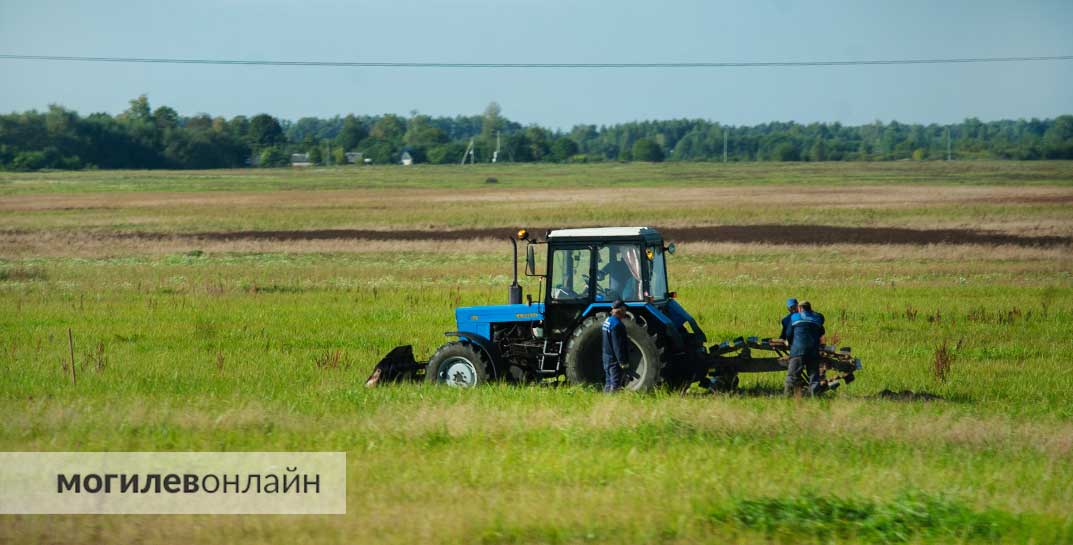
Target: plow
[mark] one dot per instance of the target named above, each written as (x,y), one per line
(557,337)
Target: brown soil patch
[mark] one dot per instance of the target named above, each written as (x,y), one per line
(768,234)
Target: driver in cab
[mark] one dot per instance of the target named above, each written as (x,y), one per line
(617,272)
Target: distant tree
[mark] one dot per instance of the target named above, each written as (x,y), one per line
(818,152)
(274,157)
(239,127)
(422,134)
(265,130)
(165,118)
(200,122)
(537,138)
(304,130)
(351,134)
(1058,139)
(647,150)
(316,156)
(516,148)
(139,110)
(339,156)
(786,151)
(491,121)
(562,149)
(389,128)
(379,151)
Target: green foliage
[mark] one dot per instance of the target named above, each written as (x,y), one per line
(421,134)
(492,122)
(146,138)
(274,157)
(339,156)
(389,129)
(265,131)
(351,134)
(446,153)
(785,151)
(562,149)
(316,156)
(381,152)
(909,516)
(647,150)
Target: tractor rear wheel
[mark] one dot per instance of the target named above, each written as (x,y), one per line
(458,364)
(584,361)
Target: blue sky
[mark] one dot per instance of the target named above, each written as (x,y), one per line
(547,31)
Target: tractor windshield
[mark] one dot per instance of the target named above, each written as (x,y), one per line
(570,273)
(618,272)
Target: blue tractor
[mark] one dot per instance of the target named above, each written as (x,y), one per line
(582,271)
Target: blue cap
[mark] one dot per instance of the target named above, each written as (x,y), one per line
(791,302)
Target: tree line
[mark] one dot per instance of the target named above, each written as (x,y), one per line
(143,137)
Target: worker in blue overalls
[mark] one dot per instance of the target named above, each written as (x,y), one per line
(615,347)
(806,330)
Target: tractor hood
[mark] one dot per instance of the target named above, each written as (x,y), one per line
(479,320)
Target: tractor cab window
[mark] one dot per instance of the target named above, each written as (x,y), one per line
(657,272)
(618,272)
(570,274)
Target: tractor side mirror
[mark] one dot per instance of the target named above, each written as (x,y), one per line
(532,259)
(671,248)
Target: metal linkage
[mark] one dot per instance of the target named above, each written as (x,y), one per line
(728,358)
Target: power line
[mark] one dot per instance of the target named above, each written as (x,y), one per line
(599,65)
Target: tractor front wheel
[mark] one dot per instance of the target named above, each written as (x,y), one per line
(458,364)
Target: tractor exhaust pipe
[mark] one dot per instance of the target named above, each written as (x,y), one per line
(515,291)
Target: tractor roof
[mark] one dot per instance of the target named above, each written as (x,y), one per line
(604,232)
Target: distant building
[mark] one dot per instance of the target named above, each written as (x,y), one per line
(300,160)
(407,159)
(354,157)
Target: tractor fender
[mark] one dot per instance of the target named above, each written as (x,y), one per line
(669,326)
(484,344)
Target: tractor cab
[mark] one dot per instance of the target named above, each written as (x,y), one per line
(594,267)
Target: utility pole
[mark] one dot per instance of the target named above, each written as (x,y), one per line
(724,145)
(496,154)
(948,144)
(468,153)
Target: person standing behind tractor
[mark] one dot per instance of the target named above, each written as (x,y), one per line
(806,330)
(615,346)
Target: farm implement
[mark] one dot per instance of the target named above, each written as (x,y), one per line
(581,272)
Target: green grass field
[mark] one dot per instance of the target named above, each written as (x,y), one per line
(185,342)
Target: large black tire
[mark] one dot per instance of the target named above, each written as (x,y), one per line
(459,364)
(584,363)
